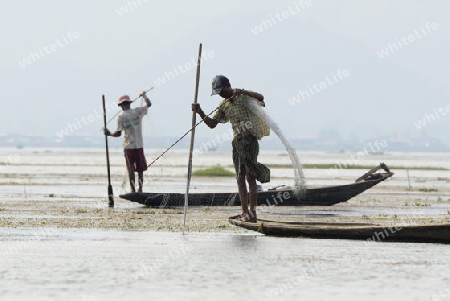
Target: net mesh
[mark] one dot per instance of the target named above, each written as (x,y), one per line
(169,199)
(300,187)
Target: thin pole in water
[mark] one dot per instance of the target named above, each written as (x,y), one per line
(409,183)
(110,190)
(191,146)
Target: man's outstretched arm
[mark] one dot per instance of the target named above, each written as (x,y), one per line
(211,123)
(147,100)
(253,94)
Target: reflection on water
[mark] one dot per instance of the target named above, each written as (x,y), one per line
(110,265)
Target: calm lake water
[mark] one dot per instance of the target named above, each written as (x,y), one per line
(109,265)
(94,265)
(82,172)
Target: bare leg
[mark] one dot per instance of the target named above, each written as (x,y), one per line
(242,188)
(253,195)
(130,169)
(132,181)
(141,180)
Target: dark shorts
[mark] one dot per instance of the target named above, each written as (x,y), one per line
(135,159)
(245,154)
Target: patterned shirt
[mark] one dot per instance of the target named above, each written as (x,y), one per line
(239,114)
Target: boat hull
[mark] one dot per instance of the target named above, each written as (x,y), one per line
(327,196)
(368,232)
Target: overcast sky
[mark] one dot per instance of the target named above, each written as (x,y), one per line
(59,57)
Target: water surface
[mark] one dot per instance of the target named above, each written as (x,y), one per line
(80,264)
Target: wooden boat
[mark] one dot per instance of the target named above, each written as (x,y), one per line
(325,196)
(368,232)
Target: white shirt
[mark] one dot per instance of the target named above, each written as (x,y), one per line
(130,122)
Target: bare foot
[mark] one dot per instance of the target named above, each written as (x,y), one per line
(249,218)
(237,216)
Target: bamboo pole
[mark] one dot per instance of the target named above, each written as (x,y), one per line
(191,146)
(110,190)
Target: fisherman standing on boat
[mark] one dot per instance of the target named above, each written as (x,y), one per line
(130,121)
(248,128)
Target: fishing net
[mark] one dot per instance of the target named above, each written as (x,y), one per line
(299,188)
(171,200)
(163,169)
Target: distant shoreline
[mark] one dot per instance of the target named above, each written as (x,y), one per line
(313,143)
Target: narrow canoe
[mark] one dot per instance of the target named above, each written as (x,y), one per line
(323,196)
(367,232)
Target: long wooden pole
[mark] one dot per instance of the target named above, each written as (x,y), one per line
(110,190)
(191,146)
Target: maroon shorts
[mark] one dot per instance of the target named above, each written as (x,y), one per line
(135,160)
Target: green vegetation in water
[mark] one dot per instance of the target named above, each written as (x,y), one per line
(215,171)
(10,183)
(428,189)
(352,166)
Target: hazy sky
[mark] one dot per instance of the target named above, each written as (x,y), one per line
(59,57)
